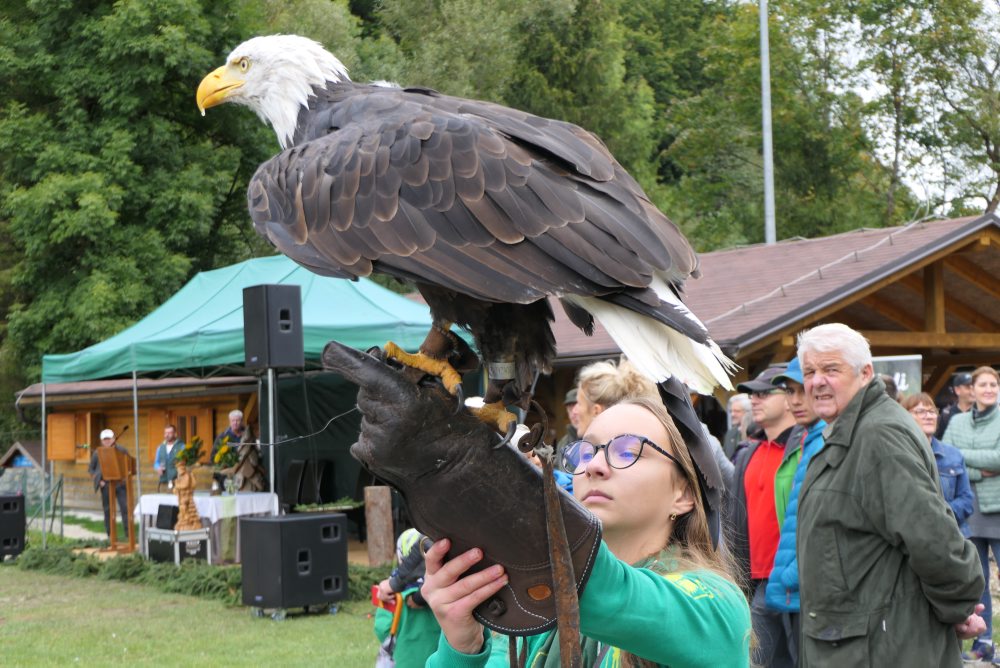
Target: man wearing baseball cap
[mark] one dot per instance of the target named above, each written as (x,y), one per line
(570,434)
(782,590)
(961,387)
(753,527)
(121,493)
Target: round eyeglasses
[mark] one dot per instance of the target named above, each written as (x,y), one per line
(621,452)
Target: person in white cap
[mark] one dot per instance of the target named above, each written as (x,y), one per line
(107,441)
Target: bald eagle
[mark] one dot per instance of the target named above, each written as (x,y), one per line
(488,210)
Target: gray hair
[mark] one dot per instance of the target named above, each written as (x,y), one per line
(742,399)
(836,338)
(236,414)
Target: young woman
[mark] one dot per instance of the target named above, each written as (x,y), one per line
(977,435)
(658,593)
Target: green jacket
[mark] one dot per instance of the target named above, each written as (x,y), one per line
(885,572)
(785,474)
(416,635)
(678,619)
(979,442)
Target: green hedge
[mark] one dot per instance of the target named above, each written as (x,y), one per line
(192,578)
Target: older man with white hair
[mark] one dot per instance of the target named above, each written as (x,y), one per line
(233,435)
(738,408)
(886,577)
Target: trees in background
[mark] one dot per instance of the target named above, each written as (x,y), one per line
(114,191)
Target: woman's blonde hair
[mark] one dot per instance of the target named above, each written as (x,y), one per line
(979,372)
(607,383)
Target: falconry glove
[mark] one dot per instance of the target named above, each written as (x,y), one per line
(459,485)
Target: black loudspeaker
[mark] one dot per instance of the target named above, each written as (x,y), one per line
(166,517)
(294,560)
(272,326)
(11,525)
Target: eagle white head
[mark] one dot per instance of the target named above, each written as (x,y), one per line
(274,75)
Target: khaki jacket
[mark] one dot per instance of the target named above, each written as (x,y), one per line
(885,572)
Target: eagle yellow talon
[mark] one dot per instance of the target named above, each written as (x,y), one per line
(436,367)
(496,416)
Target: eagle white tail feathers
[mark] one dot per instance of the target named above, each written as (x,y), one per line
(659,351)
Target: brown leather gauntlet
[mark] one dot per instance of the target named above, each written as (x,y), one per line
(459,486)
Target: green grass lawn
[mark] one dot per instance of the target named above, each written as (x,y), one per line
(97,526)
(51,619)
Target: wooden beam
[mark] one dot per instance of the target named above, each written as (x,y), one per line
(932,339)
(898,315)
(975,275)
(959,309)
(961,245)
(986,238)
(378,518)
(934,297)
(975,358)
(937,379)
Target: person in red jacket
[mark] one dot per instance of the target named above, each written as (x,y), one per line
(753,530)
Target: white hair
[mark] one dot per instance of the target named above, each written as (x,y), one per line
(236,414)
(836,338)
(741,399)
(281,73)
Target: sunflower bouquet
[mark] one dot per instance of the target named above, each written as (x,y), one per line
(226,456)
(191,452)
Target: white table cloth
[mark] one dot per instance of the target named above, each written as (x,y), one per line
(214,508)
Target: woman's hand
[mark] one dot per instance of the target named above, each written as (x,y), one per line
(452,597)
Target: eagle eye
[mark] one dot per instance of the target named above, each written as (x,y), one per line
(244,64)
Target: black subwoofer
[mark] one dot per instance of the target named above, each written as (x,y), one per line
(294,560)
(11,525)
(272,326)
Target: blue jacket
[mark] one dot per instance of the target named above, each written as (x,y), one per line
(954,482)
(782,591)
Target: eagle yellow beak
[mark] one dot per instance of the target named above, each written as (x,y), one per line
(216,88)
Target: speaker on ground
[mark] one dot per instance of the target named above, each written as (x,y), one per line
(11,525)
(294,561)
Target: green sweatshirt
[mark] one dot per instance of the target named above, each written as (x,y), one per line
(785,475)
(977,436)
(677,619)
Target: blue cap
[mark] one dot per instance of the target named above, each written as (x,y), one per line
(793,372)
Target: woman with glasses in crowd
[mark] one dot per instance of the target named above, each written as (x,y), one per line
(977,435)
(951,465)
(658,594)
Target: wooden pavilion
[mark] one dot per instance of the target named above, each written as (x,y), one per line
(929,288)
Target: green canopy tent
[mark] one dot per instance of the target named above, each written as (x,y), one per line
(199,332)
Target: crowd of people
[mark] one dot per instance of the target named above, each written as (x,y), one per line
(856,525)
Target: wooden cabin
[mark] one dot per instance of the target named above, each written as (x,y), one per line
(77,412)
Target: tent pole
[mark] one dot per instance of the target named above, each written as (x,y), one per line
(45,459)
(135,421)
(270,427)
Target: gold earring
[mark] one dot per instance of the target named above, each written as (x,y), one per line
(673,516)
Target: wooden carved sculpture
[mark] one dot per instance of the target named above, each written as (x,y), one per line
(187,516)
